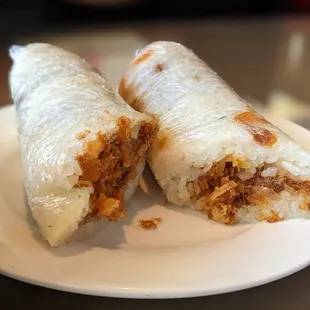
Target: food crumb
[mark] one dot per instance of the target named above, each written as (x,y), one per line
(83,135)
(274,217)
(197,77)
(163,142)
(144,186)
(159,67)
(150,224)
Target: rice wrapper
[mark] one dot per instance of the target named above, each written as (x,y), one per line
(213,152)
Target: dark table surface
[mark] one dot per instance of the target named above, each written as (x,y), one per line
(261,65)
(286,294)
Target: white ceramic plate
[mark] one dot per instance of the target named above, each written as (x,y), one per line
(187,255)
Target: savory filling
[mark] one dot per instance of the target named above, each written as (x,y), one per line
(108,166)
(230,184)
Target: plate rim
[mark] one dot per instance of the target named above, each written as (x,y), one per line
(146,293)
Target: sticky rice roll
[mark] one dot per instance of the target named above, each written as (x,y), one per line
(213,152)
(82,147)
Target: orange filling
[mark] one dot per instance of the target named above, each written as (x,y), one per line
(252,123)
(150,224)
(110,165)
(142,57)
(220,192)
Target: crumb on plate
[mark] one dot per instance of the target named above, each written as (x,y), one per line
(150,224)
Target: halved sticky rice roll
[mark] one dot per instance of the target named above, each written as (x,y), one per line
(83,148)
(213,152)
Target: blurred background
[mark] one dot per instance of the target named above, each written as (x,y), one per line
(261,48)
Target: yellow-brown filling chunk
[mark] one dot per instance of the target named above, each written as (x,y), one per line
(110,165)
(220,192)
